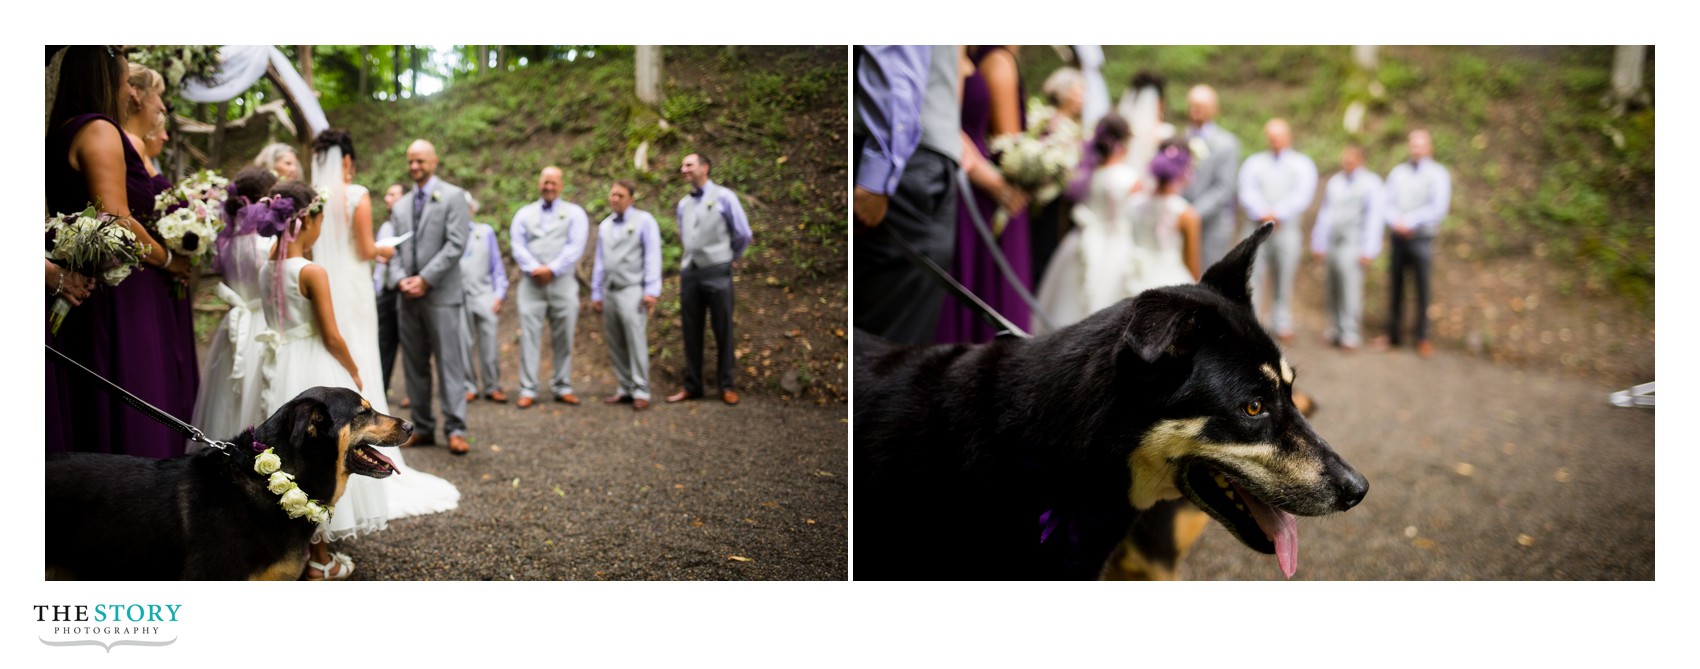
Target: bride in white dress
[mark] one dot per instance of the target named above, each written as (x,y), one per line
(1126,238)
(1085,274)
(345,249)
(1142,107)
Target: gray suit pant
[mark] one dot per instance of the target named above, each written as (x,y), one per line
(894,298)
(706,289)
(1345,294)
(428,331)
(480,338)
(1280,254)
(558,304)
(1215,237)
(625,324)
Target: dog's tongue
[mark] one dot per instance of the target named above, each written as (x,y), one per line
(379,455)
(1281,527)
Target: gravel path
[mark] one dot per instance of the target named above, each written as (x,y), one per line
(1476,472)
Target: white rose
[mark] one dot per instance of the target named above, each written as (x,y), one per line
(116,275)
(267,463)
(295,502)
(317,514)
(280,483)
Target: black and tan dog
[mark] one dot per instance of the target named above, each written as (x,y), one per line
(208,515)
(1036,459)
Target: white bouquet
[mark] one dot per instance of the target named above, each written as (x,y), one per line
(93,244)
(194,213)
(1041,164)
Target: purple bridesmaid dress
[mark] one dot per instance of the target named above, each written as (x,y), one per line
(137,334)
(973,265)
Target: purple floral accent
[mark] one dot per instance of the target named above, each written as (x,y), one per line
(258,447)
(1172,162)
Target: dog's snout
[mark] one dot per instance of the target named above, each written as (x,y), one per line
(1352,488)
(407,427)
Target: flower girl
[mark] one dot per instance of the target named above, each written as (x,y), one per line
(304,349)
(229,398)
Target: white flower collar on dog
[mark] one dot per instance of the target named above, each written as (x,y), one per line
(293,500)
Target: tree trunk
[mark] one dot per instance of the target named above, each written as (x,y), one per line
(413,81)
(395,68)
(216,151)
(649,74)
(364,64)
(304,54)
(1626,73)
(483,58)
(1365,56)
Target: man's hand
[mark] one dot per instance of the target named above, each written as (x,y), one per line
(596,306)
(649,304)
(413,287)
(1399,228)
(869,207)
(496,306)
(1366,261)
(542,276)
(1317,255)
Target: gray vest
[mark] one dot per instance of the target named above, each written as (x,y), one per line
(1347,214)
(1278,181)
(707,240)
(1413,191)
(622,251)
(941,112)
(546,232)
(475,262)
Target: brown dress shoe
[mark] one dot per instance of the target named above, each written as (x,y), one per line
(421,439)
(640,405)
(569,398)
(471,395)
(526,401)
(616,399)
(682,396)
(497,397)
(458,445)
(406,402)
(731,396)
(1425,349)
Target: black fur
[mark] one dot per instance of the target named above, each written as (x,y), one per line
(965,456)
(205,515)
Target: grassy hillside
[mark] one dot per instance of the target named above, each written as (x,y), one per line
(773,121)
(1547,255)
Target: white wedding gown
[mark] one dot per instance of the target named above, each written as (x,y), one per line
(410,492)
(1087,271)
(229,400)
(1159,245)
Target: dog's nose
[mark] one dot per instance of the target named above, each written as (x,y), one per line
(1353,487)
(407,427)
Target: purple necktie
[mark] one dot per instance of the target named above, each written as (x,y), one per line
(696,192)
(548,206)
(418,219)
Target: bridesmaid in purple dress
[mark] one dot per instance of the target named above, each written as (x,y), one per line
(130,333)
(992,105)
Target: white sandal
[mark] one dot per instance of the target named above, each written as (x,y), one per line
(337,560)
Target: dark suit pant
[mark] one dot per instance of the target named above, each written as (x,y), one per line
(1413,255)
(388,338)
(707,289)
(894,298)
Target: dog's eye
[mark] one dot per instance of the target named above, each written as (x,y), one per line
(1254,408)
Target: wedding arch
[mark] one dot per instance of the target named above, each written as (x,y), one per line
(240,66)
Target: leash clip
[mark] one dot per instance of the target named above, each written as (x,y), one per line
(224,447)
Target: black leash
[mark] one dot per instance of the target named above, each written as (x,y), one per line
(991,243)
(950,284)
(188,431)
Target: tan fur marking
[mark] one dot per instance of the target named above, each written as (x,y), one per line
(1128,564)
(287,569)
(1152,462)
(1286,372)
(1269,372)
(342,446)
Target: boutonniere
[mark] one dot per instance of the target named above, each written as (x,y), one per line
(1199,148)
(436,196)
(281,483)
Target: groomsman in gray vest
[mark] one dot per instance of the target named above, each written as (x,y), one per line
(1419,194)
(486,281)
(548,238)
(1277,186)
(426,271)
(713,231)
(1347,237)
(627,276)
(1216,161)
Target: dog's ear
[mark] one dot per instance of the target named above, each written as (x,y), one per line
(1163,323)
(297,420)
(1231,276)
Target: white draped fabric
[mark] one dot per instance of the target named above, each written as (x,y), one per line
(242,65)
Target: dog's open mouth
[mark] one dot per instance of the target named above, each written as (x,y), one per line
(1258,525)
(367,461)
